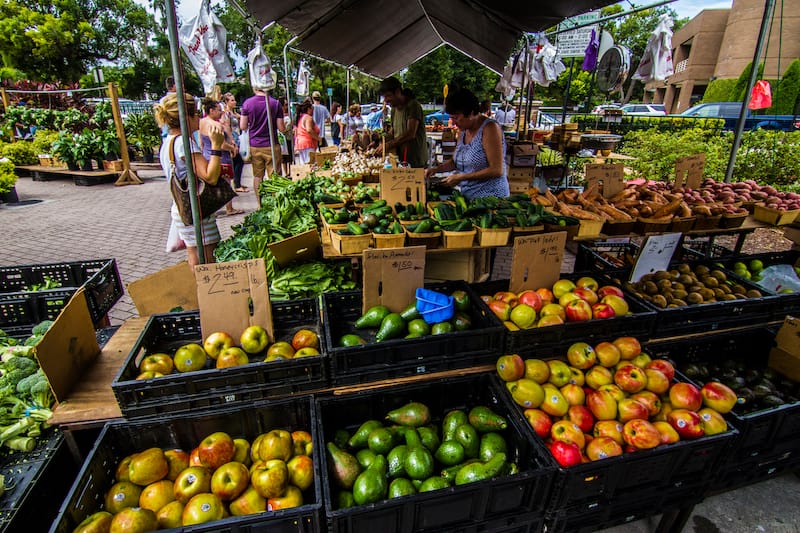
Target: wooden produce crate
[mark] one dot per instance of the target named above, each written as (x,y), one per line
(350,244)
(458,239)
(493,236)
(428,240)
(389,240)
(589,228)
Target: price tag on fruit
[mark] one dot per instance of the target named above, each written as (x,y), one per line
(392,276)
(656,254)
(233,296)
(537,260)
(403,184)
(689,171)
(608,177)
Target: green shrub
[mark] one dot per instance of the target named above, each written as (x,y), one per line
(43,141)
(7,176)
(787,96)
(630,123)
(719,91)
(20,153)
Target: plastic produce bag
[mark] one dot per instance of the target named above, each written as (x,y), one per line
(261,76)
(204,40)
(303,75)
(656,63)
(244,145)
(546,66)
(761,97)
(778,278)
(174,241)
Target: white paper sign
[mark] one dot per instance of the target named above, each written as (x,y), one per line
(656,254)
(573,43)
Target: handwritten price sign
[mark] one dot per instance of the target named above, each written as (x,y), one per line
(392,276)
(609,178)
(537,260)
(404,185)
(689,171)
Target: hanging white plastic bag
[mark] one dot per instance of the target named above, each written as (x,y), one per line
(174,241)
(261,76)
(244,145)
(656,63)
(303,79)
(779,278)
(204,40)
(546,66)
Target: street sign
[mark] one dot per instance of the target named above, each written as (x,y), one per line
(573,43)
(330,91)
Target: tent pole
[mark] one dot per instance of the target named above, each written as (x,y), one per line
(177,72)
(737,137)
(566,93)
(271,134)
(286,74)
(348,90)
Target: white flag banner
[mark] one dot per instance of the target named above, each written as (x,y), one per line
(204,39)
(261,75)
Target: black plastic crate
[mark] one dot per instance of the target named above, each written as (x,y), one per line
(119,439)
(528,523)
(705,249)
(603,256)
(20,310)
(637,324)
(604,514)
(42,475)
(210,387)
(706,317)
(479,345)
(465,507)
(766,437)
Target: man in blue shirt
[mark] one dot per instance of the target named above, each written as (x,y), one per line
(374,119)
(321,115)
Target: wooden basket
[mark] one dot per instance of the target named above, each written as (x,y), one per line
(458,239)
(618,227)
(703,223)
(518,231)
(682,224)
(589,228)
(337,205)
(45,161)
(650,225)
(389,240)
(750,206)
(493,236)
(572,230)
(774,216)
(350,244)
(429,240)
(115,166)
(733,221)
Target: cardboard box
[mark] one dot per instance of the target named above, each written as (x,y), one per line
(523,154)
(391,276)
(785,358)
(404,185)
(792,232)
(469,265)
(319,158)
(299,172)
(302,247)
(167,289)
(520,173)
(519,186)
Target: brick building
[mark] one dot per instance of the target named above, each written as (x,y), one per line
(719,43)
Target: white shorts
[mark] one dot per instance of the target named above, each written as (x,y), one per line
(210,229)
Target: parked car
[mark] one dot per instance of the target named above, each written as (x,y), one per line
(599,109)
(645,110)
(730,111)
(441,116)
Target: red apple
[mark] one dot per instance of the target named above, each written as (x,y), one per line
(567,431)
(582,416)
(194,458)
(565,453)
(562,287)
(650,400)
(581,355)
(718,397)
(641,360)
(602,405)
(539,421)
(668,433)
(567,298)
(305,338)
(712,421)
(657,382)
(617,393)
(217,342)
(663,366)
(587,283)
(608,355)
(578,311)
(216,450)
(604,291)
(609,428)
(178,460)
(508,297)
(532,299)
(510,367)
(628,347)
(619,305)
(687,423)
(641,434)
(546,295)
(630,378)
(553,310)
(501,309)
(629,409)
(587,295)
(573,394)
(192,481)
(601,310)
(597,376)
(602,448)
(231,357)
(685,396)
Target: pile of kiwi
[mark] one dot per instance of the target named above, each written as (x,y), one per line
(684,286)
(755,389)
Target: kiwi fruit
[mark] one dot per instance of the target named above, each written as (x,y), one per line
(739,296)
(707,294)
(711,282)
(694,298)
(674,274)
(678,286)
(664,285)
(677,302)
(680,294)
(647,277)
(701,270)
(725,288)
(659,301)
(662,275)
(719,293)
(683,268)
(752,293)
(686,279)
(738,289)
(720,275)
(650,288)
(728,297)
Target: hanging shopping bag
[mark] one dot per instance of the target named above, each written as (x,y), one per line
(261,76)
(204,40)
(303,79)
(244,145)
(656,63)
(761,97)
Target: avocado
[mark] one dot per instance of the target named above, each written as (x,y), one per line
(373,317)
(395,459)
(484,419)
(380,441)
(480,471)
(491,444)
(450,453)
(467,436)
(410,313)
(418,462)
(391,327)
(451,421)
(434,483)
(359,438)
(370,485)
(401,487)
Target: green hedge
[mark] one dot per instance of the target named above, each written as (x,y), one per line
(769,157)
(630,123)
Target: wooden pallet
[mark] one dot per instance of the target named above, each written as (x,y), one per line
(79,177)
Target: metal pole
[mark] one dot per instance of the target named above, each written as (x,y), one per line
(271,135)
(348,90)
(737,137)
(566,93)
(286,75)
(177,72)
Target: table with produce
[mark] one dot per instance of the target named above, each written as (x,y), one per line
(574,405)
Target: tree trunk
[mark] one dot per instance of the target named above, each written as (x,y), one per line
(627,96)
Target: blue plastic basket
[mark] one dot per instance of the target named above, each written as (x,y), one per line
(434,306)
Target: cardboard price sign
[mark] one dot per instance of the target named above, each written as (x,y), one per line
(404,185)
(233,296)
(537,261)
(165,290)
(609,178)
(689,171)
(392,276)
(656,254)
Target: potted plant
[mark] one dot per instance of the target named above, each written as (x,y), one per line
(108,143)
(8,180)
(85,149)
(64,149)
(143,132)
(43,146)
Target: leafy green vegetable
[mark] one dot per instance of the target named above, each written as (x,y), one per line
(311,279)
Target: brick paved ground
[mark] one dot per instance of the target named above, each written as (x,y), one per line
(131,223)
